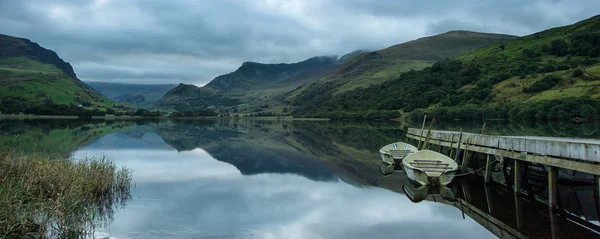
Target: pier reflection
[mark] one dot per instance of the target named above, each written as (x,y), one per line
(509,215)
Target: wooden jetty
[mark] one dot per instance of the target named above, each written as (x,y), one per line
(582,155)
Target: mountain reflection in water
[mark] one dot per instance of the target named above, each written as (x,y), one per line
(283,179)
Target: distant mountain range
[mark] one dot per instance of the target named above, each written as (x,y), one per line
(139,95)
(250,84)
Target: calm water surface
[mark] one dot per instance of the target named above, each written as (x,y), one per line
(286,179)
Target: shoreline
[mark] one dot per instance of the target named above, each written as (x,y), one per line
(2,116)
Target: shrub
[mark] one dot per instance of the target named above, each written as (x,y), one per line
(45,196)
(578,73)
(544,84)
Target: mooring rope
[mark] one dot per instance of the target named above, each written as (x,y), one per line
(463,174)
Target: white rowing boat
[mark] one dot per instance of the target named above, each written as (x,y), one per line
(427,167)
(393,154)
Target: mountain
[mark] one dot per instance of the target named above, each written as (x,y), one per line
(137,100)
(376,67)
(553,74)
(252,75)
(250,85)
(130,93)
(32,76)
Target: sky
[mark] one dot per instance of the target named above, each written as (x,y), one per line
(193,41)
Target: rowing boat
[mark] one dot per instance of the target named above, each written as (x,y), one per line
(392,154)
(427,167)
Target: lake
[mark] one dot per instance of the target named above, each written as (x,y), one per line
(250,178)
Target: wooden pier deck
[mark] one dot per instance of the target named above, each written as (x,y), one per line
(581,155)
(576,154)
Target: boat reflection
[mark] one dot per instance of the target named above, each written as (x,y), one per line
(417,192)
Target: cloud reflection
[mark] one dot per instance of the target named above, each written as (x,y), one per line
(192,195)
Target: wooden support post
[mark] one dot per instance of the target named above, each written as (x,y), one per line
(440,148)
(458,146)
(597,192)
(518,212)
(483,128)
(421,136)
(424,146)
(554,227)
(451,146)
(487,170)
(466,156)
(488,199)
(552,190)
(517,176)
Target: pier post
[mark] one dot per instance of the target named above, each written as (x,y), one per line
(487,170)
(552,190)
(518,212)
(466,155)
(451,145)
(421,136)
(426,143)
(597,192)
(458,146)
(517,176)
(488,199)
(554,227)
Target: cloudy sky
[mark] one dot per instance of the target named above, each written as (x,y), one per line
(193,41)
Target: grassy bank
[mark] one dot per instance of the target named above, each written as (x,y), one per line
(42,196)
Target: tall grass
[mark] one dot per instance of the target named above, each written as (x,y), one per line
(42,196)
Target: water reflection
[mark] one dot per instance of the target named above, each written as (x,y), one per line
(417,192)
(289,179)
(255,180)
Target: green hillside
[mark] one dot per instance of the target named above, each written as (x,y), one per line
(380,66)
(56,137)
(517,74)
(32,76)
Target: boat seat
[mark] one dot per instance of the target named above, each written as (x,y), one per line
(430,161)
(400,153)
(413,163)
(429,170)
(430,167)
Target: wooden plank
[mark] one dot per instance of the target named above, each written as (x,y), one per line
(578,149)
(582,166)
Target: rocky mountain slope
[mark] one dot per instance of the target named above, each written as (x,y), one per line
(250,85)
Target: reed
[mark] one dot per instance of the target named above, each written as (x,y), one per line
(45,196)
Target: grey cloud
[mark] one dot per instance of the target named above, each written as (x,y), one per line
(210,38)
(453,24)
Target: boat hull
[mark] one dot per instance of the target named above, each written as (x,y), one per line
(386,158)
(430,168)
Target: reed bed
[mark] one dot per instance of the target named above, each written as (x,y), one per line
(43,196)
